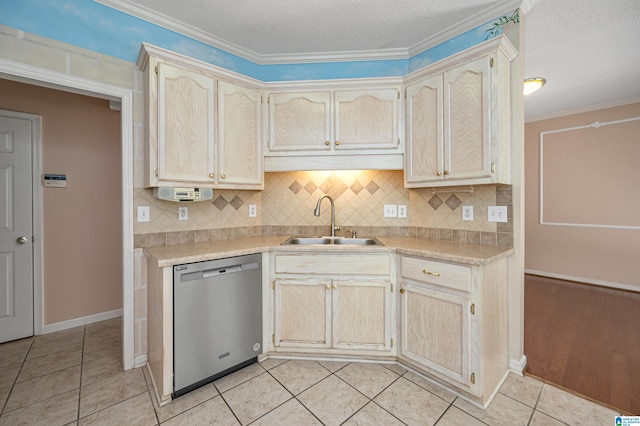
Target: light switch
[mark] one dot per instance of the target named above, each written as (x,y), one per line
(390,210)
(143,213)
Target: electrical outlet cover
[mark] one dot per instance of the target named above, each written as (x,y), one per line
(402,211)
(467,212)
(252,210)
(183,213)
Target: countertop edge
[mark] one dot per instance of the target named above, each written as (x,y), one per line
(211,250)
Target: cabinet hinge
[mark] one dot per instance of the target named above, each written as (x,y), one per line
(491,62)
(155,172)
(391,342)
(273,338)
(261,99)
(473,378)
(273,285)
(391,288)
(269,99)
(156,69)
(473,309)
(493,167)
(398,94)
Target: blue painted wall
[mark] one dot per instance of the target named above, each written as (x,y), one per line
(96,27)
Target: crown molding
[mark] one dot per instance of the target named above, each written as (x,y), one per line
(464,26)
(164,21)
(580,110)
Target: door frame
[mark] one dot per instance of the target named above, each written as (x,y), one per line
(69,83)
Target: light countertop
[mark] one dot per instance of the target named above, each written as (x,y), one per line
(441,250)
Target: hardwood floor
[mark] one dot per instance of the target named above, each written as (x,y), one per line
(584,338)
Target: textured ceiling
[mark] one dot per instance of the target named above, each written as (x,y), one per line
(588,50)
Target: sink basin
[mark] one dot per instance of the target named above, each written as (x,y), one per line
(332,241)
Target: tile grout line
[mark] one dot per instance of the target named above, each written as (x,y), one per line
(84,336)
(15,381)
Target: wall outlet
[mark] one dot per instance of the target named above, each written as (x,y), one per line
(143,214)
(467,212)
(402,211)
(390,210)
(497,214)
(253,211)
(183,213)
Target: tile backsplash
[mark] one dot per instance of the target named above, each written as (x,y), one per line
(286,207)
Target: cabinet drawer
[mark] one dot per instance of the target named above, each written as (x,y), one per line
(343,264)
(457,277)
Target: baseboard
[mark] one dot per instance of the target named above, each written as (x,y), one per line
(518,366)
(601,283)
(77,322)
(140,361)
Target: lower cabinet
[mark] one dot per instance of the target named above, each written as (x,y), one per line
(453,323)
(435,330)
(325,310)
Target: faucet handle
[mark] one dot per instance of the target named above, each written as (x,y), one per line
(354,234)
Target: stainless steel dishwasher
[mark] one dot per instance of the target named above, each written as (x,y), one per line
(217,319)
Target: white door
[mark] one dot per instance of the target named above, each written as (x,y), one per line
(16,254)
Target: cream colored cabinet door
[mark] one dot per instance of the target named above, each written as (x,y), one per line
(424,141)
(299,121)
(185,127)
(435,329)
(366,119)
(239,137)
(302,313)
(361,314)
(467,126)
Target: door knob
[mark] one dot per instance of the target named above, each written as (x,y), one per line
(22,240)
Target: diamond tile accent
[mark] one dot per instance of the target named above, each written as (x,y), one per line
(453,202)
(236,202)
(310,187)
(372,187)
(435,202)
(220,202)
(356,187)
(295,187)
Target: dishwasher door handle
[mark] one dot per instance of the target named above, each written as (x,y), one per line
(221,271)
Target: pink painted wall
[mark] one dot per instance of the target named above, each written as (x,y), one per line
(591,176)
(82,230)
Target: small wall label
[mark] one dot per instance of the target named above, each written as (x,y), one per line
(55,181)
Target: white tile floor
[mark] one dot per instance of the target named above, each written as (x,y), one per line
(74,377)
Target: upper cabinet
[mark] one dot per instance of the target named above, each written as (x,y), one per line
(203,124)
(334,127)
(458,120)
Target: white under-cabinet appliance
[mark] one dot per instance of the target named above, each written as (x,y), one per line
(217,325)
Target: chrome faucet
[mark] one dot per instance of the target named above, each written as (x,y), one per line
(316,212)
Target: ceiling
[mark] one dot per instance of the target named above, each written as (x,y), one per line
(588,50)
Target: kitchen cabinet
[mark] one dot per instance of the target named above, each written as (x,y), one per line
(458,120)
(203,124)
(334,126)
(321,306)
(453,322)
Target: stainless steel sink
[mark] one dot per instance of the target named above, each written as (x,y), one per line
(332,241)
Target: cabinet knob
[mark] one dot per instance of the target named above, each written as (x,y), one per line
(328,287)
(446,172)
(438,173)
(222,176)
(402,290)
(327,143)
(212,175)
(335,286)
(337,142)
(426,272)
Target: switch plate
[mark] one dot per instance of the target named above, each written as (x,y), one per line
(183,213)
(467,212)
(390,210)
(143,214)
(253,212)
(497,214)
(402,210)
